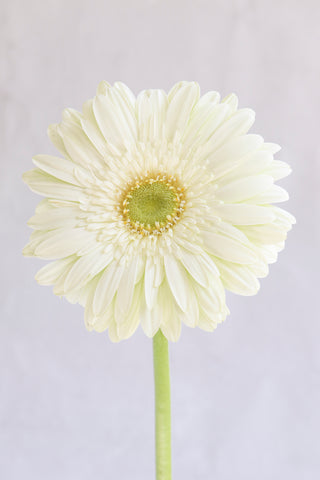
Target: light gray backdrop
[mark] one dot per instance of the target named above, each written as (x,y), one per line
(246,398)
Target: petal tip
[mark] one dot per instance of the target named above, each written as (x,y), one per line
(103,87)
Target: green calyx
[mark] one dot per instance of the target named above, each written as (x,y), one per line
(151,203)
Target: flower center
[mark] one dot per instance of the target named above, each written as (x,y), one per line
(152,204)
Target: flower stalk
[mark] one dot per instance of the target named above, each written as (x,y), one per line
(162,407)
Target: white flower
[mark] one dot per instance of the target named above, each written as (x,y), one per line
(159,203)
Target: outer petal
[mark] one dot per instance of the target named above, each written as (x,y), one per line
(228,157)
(191,316)
(194,267)
(228,249)
(107,287)
(203,124)
(63,242)
(44,184)
(244,214)
(115,118)
(52,217)
(177,280)
(150,319)
(87,267)
(238,124)
(182,98)
(61,169)
(125,291)
(238,278)
(50,273)
(245,188)
(150,286)
(169,311)
(80,149)
(151,111)
(92,130)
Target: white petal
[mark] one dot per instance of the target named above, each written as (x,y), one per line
(49,274)
(278,169)
(71,115)
(159,274)
(126,327)
(114,119)
(125,291)
(227,157)
(87,267)
(35,239)
(177,280)
(252,164)
(63,242)
(182,98)
(55,137)
(52,218)
(268,252)
(272,147)
(150,288)
(140,268)
(77,295)
(122,96)
(209,98)
(260,269)
(44,184)
(127,95)
(265,234)
(283,217)
(101,323)
(242,214)
(202,112)
(238,124)
(212,301)
(107,287)
(275,194)
(170,319)
(238,279)
(113,332)
(103,87)
(78,145)
(209,266)
(233,232)
(58,288)
(151,110)
(187,245)
(202,126)
(232,101)
(244,188)
(89,316)
(150,320)
(193,265)
(58,167)
(207,323)
(228,249)
(92,130)
(191,316)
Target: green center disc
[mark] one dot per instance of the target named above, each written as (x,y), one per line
(151,203)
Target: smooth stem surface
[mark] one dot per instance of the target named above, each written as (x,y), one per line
(162,406)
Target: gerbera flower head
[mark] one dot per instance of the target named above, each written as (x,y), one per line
(158,204)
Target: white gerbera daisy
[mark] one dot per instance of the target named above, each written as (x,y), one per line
(159,203)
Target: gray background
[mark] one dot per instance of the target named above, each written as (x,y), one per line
(246,398)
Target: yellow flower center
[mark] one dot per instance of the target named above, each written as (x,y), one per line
(152,204)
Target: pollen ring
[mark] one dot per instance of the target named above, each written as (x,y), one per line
(152,204)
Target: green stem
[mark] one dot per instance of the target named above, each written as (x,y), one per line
(162,406)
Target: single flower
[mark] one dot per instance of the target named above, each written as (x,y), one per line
(158,205)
